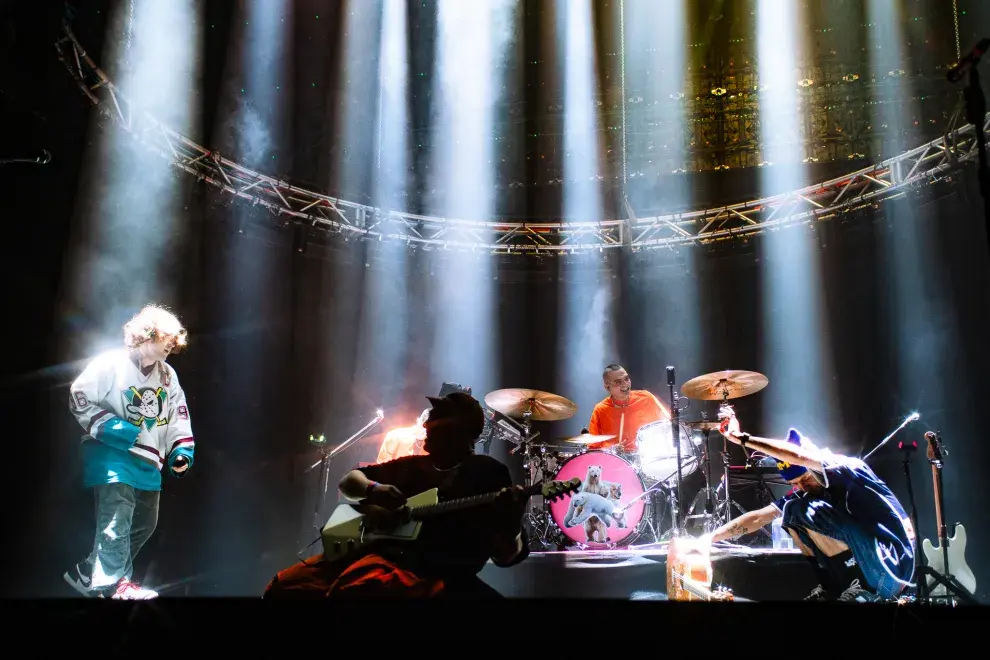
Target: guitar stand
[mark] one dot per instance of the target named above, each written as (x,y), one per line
(922,571)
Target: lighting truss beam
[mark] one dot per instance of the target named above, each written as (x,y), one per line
(823,201)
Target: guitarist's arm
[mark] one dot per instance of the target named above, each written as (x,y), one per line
(509,543)
(746,523)
(779,449)
(355,484)
(358,485)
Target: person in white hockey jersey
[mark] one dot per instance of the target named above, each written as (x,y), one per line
(136,421)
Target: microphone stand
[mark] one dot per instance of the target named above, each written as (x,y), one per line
(913,417)
(324,464)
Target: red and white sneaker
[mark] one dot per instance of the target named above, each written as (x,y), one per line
(128,590)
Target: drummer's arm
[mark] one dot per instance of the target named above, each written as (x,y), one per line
(779,449)
(594,425)
(747,523)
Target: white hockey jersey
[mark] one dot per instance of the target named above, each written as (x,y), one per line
(134,424)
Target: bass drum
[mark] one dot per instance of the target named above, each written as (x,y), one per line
(608,508)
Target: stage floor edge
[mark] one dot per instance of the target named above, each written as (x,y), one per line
(640,573)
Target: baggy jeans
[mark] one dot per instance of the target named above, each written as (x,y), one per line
(126,517)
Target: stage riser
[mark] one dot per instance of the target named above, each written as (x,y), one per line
(631,576)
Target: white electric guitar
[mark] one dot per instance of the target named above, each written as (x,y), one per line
(353,527)
(954,546)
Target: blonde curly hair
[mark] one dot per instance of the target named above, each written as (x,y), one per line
(154,323)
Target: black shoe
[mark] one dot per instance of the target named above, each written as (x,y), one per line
(80,579)
(855,593)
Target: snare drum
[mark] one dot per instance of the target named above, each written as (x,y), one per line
(658,455)
(600,512)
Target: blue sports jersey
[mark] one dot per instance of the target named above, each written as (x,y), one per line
(852,487)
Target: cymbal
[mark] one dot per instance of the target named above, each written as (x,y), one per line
(545,407)
(589,439)
(703,425)
(724,384)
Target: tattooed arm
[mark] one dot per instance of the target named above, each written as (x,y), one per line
(746,524)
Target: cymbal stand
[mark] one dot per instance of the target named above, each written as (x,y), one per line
(727,503)
(534,461)
(678,524)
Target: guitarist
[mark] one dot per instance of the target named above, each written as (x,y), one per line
(841,515)
(444,561)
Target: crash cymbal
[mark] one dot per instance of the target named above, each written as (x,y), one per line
(724,385)
(588,439)
(545,407)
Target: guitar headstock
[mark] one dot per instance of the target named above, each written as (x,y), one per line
(556,489)
(936,452)
(723,594)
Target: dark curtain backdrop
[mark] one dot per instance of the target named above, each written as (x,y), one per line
(264,374)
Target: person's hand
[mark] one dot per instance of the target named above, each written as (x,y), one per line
(386,496)
(510,503)
(180,465)
(730,424)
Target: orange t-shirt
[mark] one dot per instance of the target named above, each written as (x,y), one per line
(641,409)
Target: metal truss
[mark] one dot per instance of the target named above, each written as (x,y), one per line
(869,186)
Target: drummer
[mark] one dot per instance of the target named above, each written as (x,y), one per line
(624,411)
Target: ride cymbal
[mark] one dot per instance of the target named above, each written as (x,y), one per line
(724,385)
(543,406)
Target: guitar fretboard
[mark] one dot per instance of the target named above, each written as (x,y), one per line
(423,512)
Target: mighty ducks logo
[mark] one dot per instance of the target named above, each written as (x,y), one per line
(146,406)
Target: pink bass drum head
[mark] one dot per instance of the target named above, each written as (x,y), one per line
(596,514)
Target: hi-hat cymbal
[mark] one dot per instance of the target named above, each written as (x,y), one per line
(724,385)
(588,439)
(704,425)
(545,407)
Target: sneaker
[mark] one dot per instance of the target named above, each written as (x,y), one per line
(855,593)
(127,590)
(79,578)
(818,593)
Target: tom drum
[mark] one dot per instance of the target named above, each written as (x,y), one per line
(658,455)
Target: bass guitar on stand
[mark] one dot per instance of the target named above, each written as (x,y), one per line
(946,561)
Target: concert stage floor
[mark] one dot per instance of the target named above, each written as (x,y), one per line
(640,573)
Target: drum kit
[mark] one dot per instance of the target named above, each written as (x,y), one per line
(622,493)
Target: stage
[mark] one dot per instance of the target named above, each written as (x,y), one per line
(640,573)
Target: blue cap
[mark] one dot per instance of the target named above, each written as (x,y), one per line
(786,470)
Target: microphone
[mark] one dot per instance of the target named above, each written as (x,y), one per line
(913,417)
(972,58)
(670,376)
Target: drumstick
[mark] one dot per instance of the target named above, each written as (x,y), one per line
(622,422)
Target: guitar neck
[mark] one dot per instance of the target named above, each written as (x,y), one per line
(937,489)
(688,585)
(450,506)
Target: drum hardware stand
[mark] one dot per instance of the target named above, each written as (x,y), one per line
(534,460)
(922,571)
(676,435)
